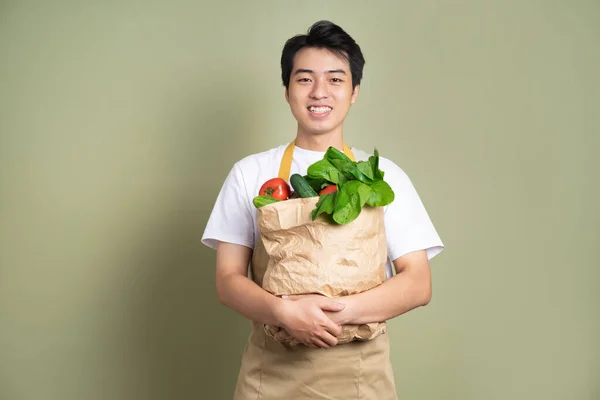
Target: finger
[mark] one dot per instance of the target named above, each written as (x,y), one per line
(333,328)
(334,316)
(328,338)
(331,305)
(319,343)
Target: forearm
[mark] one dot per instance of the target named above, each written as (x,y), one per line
(247,298)
(405,291)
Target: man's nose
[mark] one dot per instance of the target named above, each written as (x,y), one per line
(319,90)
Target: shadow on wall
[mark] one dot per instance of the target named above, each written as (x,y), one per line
(188,344)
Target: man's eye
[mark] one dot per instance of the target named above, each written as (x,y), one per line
(337,80)
(303,80)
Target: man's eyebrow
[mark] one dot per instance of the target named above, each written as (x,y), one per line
(310,71)
(303,71)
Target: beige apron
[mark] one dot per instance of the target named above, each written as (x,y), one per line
(271,370)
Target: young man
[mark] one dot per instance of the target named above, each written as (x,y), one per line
(321,72)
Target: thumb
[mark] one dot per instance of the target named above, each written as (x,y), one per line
(331,305)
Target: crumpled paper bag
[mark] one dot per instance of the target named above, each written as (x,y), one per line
(322,257)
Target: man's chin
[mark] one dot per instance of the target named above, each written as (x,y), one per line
(318,131)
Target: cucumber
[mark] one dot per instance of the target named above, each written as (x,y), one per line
(260,201)
(301,186)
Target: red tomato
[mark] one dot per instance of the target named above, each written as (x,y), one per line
(276,188)
(328,189)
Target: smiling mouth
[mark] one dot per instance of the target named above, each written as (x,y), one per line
(319,110)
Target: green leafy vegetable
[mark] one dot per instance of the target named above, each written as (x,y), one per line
(317,183)
(381,194)
(334,154)
(325,204)
(360,184)
(366,169)
(347,207)
(345,165)
(374,161)
(361,189)
(323,169)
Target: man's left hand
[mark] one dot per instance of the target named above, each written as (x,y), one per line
(339,317)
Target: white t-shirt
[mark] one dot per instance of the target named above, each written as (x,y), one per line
(233,218)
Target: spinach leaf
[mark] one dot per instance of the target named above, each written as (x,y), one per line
(344,167)
(323,169)
(360,183)
(374,161)
(343,163)
(347,207)
(350,169)
(366,168)
(381,194)
(334,154)
(317,184)
(325,204)
(363,190)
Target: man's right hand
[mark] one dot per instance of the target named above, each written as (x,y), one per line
(305,320)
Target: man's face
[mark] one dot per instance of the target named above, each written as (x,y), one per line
(320,91)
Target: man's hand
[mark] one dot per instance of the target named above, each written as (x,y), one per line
(408,289)
(306,320)
(340,317)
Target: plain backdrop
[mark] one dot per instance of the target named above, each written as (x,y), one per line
(119,121)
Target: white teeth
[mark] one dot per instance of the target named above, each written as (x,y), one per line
(319,110)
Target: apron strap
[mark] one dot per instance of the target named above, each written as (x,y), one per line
(288,155)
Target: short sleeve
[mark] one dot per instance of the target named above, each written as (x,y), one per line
(408,225)
(231,218)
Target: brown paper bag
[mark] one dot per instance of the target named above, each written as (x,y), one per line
(306,256)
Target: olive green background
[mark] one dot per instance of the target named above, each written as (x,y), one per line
(120,120)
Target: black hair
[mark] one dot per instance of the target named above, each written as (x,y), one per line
(324,35)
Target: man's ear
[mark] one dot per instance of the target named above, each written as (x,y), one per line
(287,95)
(355,94)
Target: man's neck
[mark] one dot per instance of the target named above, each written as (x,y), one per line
(320,142)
